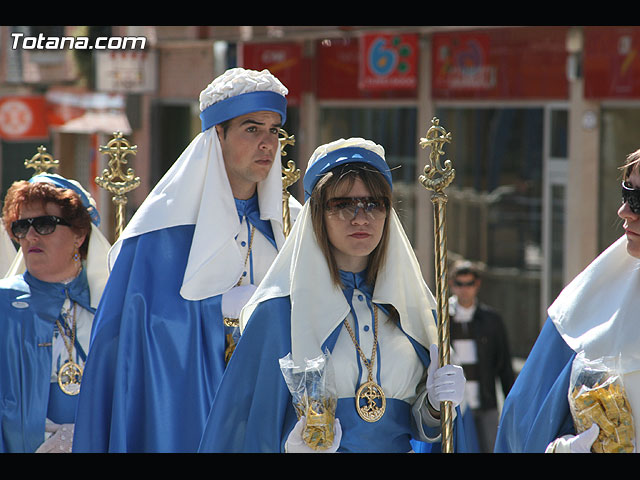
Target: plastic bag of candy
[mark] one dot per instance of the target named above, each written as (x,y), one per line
(313,393)
(597,394)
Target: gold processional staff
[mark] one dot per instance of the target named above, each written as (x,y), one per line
(290,175)
(114,179)
(436,178)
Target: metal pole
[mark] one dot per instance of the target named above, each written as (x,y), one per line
(436,178)
(291,174)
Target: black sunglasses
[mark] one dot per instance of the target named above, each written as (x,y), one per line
(632,197)
(43,225)
(458,283)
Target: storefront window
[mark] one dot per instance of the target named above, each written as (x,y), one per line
(619,127)
(494,213)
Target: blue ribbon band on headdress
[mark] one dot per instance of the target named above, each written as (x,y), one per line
(242,104)
(339,157)
(62,182)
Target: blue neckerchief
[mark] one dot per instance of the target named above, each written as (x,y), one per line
(56,293)
(251,209)
(350,282)
(77,289)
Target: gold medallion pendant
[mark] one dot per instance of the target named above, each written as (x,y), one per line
(370,401)
(70,377)
(70,373)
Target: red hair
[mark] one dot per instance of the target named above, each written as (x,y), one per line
(25,193)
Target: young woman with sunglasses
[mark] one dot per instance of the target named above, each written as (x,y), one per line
(346,282)
(46,310)
(595,317)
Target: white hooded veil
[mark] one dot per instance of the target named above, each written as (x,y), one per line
(598,310)
(317,305)
(196,190)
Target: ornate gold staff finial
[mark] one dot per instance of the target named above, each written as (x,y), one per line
(436,178)
(42,161)
(285,140)
(435,138)
(114,179)
(291,175)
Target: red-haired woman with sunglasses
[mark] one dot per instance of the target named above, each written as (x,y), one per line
(593,322)
(46,310)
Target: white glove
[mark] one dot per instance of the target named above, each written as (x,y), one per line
(445,383)
(61,441)
(235,299)
(580,443)
(296,444)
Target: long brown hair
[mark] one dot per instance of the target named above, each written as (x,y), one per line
(345,175)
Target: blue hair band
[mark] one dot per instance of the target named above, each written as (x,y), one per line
(242,104)
(339,157)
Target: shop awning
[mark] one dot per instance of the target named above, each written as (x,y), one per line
(107,122)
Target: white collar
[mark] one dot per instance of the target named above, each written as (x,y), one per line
(598,311)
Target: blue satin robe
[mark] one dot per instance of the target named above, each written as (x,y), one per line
(156,359)
(536,410)
(253,411)
(29,309)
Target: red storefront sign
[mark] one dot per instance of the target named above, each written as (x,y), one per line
(284,60)
(506,63)
(388,62)
(611,62)
(337,73)
(23,118)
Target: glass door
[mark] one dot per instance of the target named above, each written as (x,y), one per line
(553,203)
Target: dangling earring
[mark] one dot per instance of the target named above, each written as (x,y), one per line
(76,255)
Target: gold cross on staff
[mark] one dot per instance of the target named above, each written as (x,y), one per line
(285,140)
(42,161)
(290,175)
(114,179)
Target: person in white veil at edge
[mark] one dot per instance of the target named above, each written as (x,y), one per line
(346,282)
(7,252)
(586,354)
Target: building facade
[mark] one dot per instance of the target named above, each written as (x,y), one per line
(540,118)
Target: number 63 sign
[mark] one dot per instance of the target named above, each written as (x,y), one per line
(388,62)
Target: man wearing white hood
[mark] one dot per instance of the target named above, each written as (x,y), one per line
(182,269)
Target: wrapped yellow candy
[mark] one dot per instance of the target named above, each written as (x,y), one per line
(318,433)
(312,389)
(603,401)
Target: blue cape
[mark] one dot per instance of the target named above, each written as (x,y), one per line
(536,411)
(155,358)
(30,308)
(253,411)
